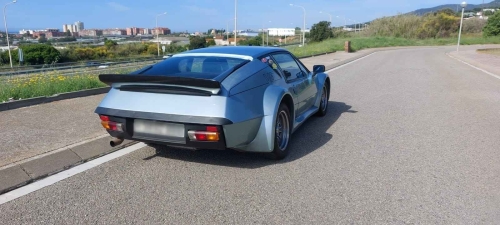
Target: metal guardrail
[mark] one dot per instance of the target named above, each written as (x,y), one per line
(81,72)
(69,66)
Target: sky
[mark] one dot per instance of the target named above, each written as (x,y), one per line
(201,15)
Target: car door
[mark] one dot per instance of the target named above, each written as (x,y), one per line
(295,78)
(311,87)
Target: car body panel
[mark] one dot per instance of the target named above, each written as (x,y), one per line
(244,106)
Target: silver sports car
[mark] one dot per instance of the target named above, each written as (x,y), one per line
(245,98)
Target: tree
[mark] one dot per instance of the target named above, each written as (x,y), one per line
(492,27)
(211,42)
(37,54)
(320,31)
(42,39)
(255,41)
(488,13)
(110,44)
(197,42)
(27,34)
(68,33)
(447,11)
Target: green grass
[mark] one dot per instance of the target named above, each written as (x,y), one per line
(359,43)
(49,84)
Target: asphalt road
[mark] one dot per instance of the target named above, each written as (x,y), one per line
(412,136)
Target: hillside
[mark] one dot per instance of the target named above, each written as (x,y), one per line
(493,4)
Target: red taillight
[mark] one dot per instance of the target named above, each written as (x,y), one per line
(212,128)
(211,134)
(110,125)
(200,136)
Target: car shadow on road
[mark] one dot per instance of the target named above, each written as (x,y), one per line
(310,136)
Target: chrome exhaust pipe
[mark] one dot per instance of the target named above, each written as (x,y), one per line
(115,142)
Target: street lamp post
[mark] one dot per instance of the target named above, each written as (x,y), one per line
(7,30)
(304,30)
(227,31)
(157,32)
(464,4)
(328,15)
(345,22)
(264,34)
(235,21)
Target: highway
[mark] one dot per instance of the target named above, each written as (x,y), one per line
(412,136)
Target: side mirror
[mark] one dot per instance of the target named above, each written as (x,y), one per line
(318,69)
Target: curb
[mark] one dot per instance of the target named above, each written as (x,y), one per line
(56,97)
(19,175)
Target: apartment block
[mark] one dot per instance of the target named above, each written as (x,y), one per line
(161,30)
(91,33)
(113,32)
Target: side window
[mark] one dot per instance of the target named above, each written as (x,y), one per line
(302,67)
(271,63)
(289,66)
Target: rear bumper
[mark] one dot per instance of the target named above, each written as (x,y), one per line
(163,116)
(127,119)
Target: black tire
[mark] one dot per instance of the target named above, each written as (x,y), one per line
(323,106)
(282,141)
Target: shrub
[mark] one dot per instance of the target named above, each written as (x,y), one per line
(320,31)
(473,25)
(492,27)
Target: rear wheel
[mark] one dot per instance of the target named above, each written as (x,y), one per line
(323,106)
(282,133)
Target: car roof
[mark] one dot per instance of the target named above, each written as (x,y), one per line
(252,51)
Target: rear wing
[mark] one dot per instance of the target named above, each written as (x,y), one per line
(153,79)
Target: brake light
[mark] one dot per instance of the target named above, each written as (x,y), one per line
(110,125)
(211,134)
(212,128)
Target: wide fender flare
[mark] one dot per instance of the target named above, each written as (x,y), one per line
(320,82)
(264,140)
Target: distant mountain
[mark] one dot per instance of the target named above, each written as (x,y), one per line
(455,7)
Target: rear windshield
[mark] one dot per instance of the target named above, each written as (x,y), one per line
(206,67)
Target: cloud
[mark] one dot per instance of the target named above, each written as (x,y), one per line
(204,11)
(118,6)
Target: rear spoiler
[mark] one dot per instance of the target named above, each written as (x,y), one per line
(159,79)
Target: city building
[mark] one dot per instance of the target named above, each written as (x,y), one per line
(114,32)
(53,34)
(171,40)
(79,26)
(132,31)
(281,31)
(76,27)
(90,33)
(161,30)
(249,34)
(146,31)
(23,31)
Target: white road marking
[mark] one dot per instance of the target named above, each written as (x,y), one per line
(9,196)
(338,67)
(475,67)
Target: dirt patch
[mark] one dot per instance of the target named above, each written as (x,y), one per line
(491,51)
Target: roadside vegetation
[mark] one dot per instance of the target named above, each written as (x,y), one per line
(36,54)
(51,83)
(433,29)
